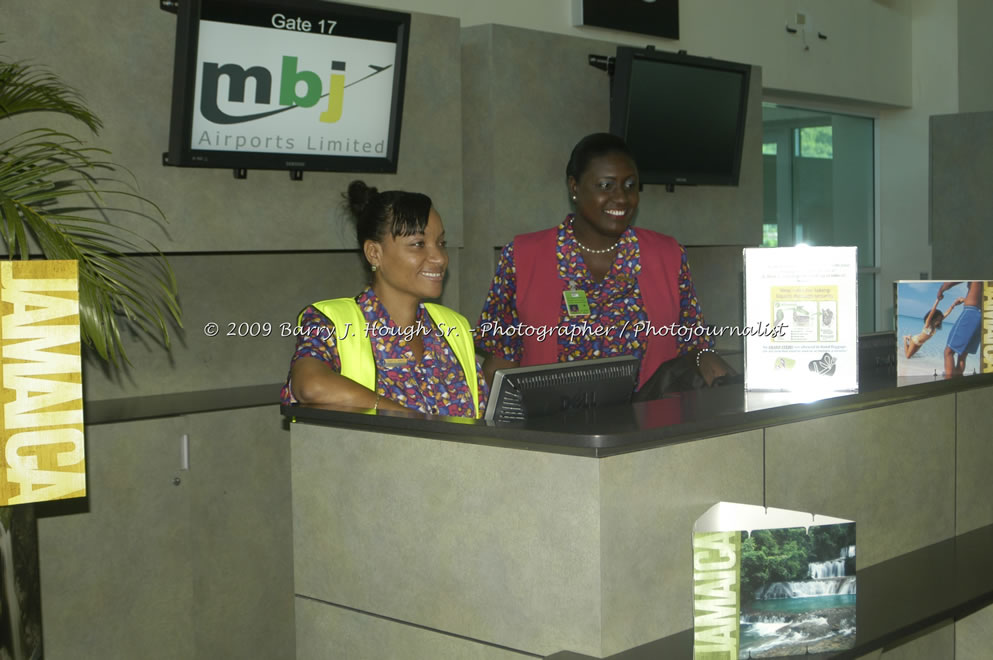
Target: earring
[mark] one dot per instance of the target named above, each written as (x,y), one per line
(574,198)
(373,268)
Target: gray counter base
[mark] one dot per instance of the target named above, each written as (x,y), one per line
(542,552)
(328,632)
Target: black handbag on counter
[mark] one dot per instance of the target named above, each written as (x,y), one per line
(680,374)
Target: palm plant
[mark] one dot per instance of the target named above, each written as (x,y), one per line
(54,195)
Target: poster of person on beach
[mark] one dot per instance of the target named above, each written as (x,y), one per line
(943,328)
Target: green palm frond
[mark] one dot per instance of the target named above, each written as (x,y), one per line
(60,196)
(30,88)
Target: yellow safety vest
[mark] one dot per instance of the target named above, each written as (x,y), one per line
(355,348)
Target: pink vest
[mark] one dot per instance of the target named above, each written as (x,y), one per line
(539,293)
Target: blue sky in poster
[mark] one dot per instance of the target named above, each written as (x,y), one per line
(914,299)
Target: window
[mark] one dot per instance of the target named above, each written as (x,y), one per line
(818,174)
(814,142)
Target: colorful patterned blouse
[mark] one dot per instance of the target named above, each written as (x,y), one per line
(436,385)
(615,303)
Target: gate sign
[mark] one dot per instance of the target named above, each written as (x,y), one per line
(41,385)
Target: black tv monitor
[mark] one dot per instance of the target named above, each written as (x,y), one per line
(521,393)
(287,85)
(682,116)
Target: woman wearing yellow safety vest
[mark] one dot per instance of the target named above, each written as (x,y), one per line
(384,349)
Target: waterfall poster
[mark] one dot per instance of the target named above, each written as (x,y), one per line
(771,583)
(943,329)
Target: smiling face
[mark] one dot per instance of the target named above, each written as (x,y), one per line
(606,197)
(409,268)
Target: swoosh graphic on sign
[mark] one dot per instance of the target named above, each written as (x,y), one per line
(220,117)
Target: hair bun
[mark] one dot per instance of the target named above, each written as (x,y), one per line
(358,197)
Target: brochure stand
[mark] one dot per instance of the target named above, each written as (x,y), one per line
(802,304)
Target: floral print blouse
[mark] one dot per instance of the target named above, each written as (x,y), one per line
(615,303)
(436,385)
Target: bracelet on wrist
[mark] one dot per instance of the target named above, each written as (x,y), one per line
(701,352)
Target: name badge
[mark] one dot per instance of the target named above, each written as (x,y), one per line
(576,303)
(396,362)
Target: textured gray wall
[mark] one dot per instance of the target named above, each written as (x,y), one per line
(119,55)
(650,501)
(148,568)
(143,568)
(117,577)
(975,53)
(528,97)
(234,288)
(431,532)
(961,200)
(518,100)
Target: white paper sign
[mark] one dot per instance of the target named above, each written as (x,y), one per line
(808,296)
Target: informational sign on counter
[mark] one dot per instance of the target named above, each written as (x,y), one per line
(807,298)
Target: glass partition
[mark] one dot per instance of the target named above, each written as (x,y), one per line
(818,173)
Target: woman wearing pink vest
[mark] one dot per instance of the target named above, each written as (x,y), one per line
(594,286)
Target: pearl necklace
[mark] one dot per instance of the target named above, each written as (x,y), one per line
(572,226)
(592,251)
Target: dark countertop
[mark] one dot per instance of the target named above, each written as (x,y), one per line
(602,432)
(596,433)
(130,409)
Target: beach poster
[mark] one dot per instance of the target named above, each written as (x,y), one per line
(944,328)
(772,583)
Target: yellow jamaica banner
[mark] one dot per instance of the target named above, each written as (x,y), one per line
(41,385)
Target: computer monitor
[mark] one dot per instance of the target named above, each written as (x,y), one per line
(525,392)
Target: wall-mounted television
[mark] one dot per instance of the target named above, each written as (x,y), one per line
(293,85)
(682,116)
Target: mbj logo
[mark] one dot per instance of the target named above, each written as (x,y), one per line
(289,82)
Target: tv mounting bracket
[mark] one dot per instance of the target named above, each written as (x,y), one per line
(602,62)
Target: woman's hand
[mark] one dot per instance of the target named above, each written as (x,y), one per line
(313,382)
(712,366)
(492,363)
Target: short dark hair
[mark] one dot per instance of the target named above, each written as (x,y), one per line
(936,318)
(377,214)
(593,146)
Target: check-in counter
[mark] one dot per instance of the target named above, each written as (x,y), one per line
(419,537)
